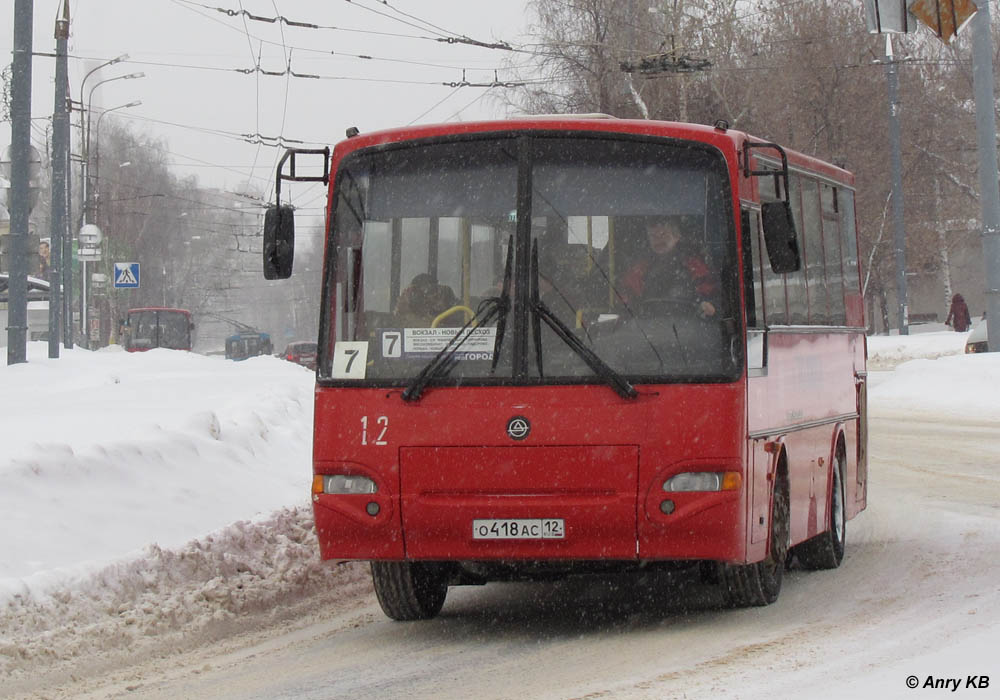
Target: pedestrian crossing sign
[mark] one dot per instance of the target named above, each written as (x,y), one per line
(127,275)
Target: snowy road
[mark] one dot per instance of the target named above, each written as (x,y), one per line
(918,594)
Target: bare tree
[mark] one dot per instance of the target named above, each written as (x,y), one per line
(199,248)
(805,74)
(575,64)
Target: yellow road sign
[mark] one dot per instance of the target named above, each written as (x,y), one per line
(944,17)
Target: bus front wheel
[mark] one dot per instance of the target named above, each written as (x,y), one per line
(409,590)
(755,584)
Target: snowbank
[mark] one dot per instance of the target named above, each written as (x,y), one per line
(111,451)
(887,351)
(243,576)
(958,386)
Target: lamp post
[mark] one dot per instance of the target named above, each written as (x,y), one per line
(86,143)
(94,195)
(97,161)
(896,170)
(87,194)
(97,150)
(83,128)
(67,244)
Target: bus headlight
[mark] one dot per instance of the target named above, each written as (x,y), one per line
(703,481)
(342,484)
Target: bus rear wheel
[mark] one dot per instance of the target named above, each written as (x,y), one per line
(758,584)
(826,550)
(410,590)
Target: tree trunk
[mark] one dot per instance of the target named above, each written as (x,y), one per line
(942,245)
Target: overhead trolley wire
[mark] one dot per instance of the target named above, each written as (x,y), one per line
(260,48)
(452,38)
(278,18)
(284,108)
(288,71)
(252,138)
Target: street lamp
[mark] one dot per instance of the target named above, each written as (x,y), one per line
(86,144)
(87,195)
(97,147)
(97,183)
(110,62)
(83,129)
(84,172)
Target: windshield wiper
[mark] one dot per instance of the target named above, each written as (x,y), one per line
(503,304)
(498,308)
(489,309)
(442,363)
(601,368)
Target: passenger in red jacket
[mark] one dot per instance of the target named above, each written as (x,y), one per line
(669,272)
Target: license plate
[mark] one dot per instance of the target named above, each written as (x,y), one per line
(519,529)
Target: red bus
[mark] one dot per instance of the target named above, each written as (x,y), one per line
(495,401)
(157,327)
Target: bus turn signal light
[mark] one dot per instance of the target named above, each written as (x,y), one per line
(703,481)
(342,484)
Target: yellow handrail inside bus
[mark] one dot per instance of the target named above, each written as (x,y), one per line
(469,313)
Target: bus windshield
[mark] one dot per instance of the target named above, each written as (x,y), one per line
(159,328)
(245,345)
(619,257)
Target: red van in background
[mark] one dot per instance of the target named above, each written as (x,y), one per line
(301,352)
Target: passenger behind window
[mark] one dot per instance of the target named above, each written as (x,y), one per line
(423,300)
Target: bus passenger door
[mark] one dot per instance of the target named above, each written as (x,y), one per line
(753,292)
(861,487)
(758,420)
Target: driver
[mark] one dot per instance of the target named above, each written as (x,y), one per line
(668,270)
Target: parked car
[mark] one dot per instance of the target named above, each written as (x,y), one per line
(977,340)
(302,352)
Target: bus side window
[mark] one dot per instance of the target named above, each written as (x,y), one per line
(815,259)
(795,282)
(833,253)
(775,296)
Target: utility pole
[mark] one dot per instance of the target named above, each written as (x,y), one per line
(20,147)
(945,18)
(986,133)
(896,169)
(60,173)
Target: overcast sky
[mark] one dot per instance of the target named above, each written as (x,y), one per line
(382,66)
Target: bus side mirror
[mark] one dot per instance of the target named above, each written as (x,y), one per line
(779,237)
(279,242)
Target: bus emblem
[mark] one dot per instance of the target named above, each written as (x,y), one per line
(518,427)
